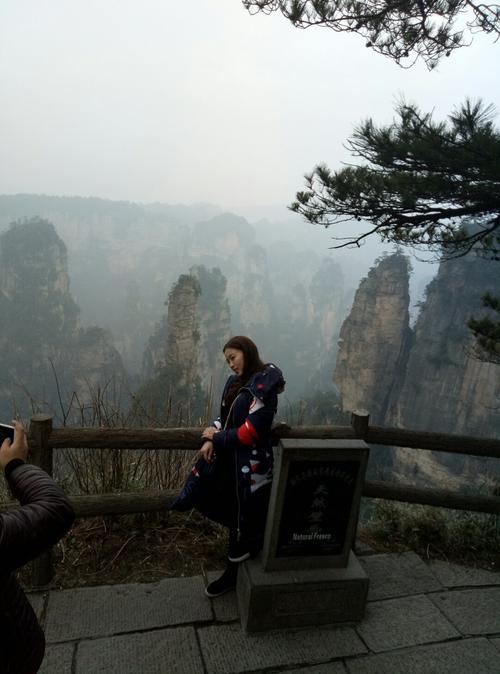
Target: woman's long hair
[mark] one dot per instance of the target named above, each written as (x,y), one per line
(251,363)
(251,359)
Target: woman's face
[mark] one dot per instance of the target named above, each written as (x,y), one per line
(236,360)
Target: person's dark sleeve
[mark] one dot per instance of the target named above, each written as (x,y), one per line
(44,517)
(256,426)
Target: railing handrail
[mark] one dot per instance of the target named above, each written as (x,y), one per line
(189,438)
(43,439)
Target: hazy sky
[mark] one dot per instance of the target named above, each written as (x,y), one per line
(195,100)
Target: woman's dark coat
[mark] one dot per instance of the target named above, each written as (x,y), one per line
(44,517)
(244,456)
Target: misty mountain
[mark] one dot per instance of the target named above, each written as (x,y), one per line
(123,260)
(150,293)
(49,361)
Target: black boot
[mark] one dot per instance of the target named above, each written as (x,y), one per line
(244,548)
(240,551)
(225,583)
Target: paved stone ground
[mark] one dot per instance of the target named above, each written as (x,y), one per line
(421,619)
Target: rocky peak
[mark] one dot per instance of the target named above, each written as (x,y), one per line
(374,338)
(34,279)
(214,318)
(48,360)
(445,389)
(185,349)
(181,348)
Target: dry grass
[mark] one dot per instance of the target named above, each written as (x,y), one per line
(136,549)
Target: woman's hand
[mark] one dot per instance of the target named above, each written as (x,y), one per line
(17,449)
(207,451)
(209,433)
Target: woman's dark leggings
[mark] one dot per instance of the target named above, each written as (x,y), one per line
(253,520)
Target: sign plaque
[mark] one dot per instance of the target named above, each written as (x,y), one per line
(316,507)
(314,503)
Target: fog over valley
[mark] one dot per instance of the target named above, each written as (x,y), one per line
(151,156)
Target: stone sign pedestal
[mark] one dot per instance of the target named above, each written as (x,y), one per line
(285,599)
(307,573)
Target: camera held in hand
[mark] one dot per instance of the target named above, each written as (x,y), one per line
(6,431)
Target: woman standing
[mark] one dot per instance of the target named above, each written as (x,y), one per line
(232,482)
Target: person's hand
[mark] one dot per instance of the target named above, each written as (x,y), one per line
(208,433)
(207,451)
(17,449)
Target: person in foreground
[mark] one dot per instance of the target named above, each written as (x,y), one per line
(44,517)
(231,482)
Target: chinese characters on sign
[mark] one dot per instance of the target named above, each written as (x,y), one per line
(316,507)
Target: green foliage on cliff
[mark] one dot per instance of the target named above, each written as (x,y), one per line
(213,285)
(487,332)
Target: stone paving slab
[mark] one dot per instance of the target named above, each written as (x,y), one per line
(401,575)
(455,575)
(103,611)
(407,621)
(328,668)
(225,607)
(37,601)
(401,629)
(471,611)
(170,651)
(58,659)
(228,650)
(362,548)
(469,656)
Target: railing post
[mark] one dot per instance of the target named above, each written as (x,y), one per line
(41,452)
(359,422)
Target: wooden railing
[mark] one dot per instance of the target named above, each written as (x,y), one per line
(44,439)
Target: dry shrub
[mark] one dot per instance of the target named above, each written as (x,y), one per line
(461,536)
(99,471)
(128,548)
